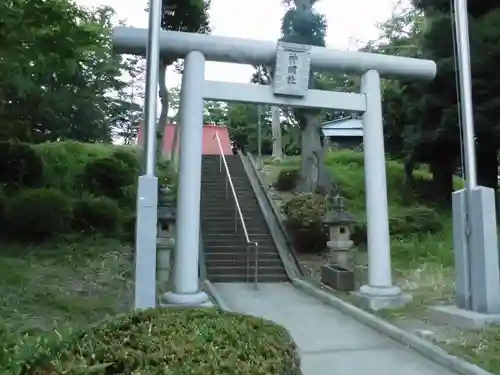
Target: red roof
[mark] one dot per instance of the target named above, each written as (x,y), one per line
(210,146)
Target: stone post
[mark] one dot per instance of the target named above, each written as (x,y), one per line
(166,239)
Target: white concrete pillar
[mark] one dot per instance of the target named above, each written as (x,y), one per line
(185,271)
(379,253)
(276,130)
(145,242)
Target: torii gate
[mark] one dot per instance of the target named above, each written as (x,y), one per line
(289,90)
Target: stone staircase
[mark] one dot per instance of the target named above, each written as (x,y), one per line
(226,248)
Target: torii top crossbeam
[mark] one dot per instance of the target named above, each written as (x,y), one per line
(128,40)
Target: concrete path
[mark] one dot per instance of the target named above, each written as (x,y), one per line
(330,343)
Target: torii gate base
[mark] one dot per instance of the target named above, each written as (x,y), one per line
(380,292)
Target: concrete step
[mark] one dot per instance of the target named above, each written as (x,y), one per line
(224,215)
(229,229)
(242,270)
(217,163)
(210,211)
(218,197)
(234,220)
(214,179)
(230,226)
(227,248)
(213,213)
(215,255)
(257,225)
(223,205)
(276,278)
(219,239)
(214,186)
(214,175)
(242,263)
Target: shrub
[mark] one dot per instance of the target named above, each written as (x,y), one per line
(64,161)
(359,235)
(287,179)
(107,177)
(174,341)
(3,202)
(305,213)
(129,157)
(38,214)
(20,165)
(128,200)
(98,214)
(416,220)
(410,221)
(128,227)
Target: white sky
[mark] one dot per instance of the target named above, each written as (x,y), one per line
(349,22)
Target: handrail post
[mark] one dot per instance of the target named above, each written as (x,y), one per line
(248,263)
(256,270)
(226,183)
(235,219)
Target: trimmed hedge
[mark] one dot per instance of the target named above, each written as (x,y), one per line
(97,214)
(37,214)
(107,177)
(20,166)
(167,342)
(64,162)
(287,179)
(305,213)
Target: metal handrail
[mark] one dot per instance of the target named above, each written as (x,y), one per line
(229,181)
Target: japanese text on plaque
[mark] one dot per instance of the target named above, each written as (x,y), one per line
(293,59)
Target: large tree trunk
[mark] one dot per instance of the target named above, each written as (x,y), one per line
(277,138)
(175,147)
(162,121)
(409,166)
(442,180)
(487,163)
(315,177)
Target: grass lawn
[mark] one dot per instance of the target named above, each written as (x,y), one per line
(422,263)
(75,281)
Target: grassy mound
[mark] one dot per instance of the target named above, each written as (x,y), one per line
(81,181)
(171,341)
(64,161)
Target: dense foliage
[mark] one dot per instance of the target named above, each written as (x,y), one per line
(80,194)
(411,216)
(422,119)
(57,82)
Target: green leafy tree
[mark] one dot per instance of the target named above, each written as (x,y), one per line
(439,99)
(215,113)
(126,111)
(55,81)
(174,97)
(422,119)
(242,123)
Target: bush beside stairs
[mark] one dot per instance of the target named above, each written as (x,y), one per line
(225,245)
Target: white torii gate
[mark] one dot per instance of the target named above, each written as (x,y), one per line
(196,49)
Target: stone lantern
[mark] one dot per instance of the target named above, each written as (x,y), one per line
(166,238)
(340,273)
